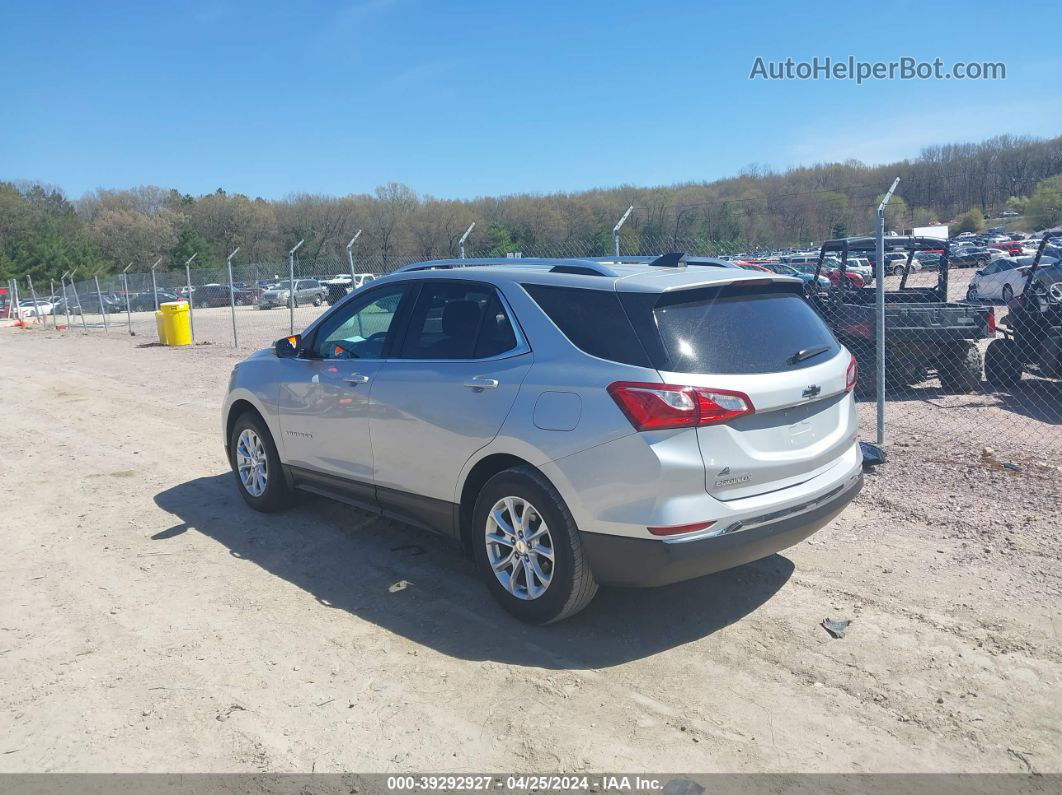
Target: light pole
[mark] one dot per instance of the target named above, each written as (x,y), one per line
(232,297)
(154,286)
(616,228)
(350,256)
(128,311)
(464,237)
(291,285)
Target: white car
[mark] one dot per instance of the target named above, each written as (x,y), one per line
(1002,279)
(29,308)
(355,281)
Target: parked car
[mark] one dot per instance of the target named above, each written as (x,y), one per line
(145,302)
(307,291)
(88,303)
(832,276)
(1011,248)
(1009,214)
(569,423)
(969,258)
(808,277)
(210,295)
(999,280)
(342,283)
(39,308)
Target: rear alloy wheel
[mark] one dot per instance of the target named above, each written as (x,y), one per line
(528,549)
(317,300)
(971,293)
(257,466)
(959,369)
(1002,366)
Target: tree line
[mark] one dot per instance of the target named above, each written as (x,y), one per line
(43,232)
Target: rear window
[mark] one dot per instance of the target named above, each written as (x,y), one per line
(737,329)
(593,321)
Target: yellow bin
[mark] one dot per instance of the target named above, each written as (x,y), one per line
(160,326)
(176,324)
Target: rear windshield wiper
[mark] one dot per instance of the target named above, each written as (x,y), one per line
(807,353)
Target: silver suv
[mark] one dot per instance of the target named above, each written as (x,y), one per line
(307,291)
(570,423)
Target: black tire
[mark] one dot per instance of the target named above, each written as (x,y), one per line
(317,300)
(277,494)
(959,369)
(1002,366)
(971,293)
(572,584)
(1008,293)
(201,305)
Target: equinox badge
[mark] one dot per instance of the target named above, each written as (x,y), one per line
(812,391)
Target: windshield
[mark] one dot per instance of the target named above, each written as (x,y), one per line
(284,285)
(739,330)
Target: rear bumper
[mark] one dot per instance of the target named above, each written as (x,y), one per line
(641,562)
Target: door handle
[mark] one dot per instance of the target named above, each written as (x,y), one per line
(481,382)
(356,378)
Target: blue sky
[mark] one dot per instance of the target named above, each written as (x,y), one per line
(460,98)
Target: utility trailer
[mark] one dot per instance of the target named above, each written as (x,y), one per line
(923,330)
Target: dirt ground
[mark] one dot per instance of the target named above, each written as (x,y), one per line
(150,621)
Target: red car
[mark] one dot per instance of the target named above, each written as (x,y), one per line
(1012,247)
(855,280)
(752,266)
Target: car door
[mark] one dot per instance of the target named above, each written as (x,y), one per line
(995,279)
(324,399)
(443,395)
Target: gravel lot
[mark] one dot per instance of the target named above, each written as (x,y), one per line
(149,621)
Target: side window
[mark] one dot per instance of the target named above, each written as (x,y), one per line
(361,328)
(593,320)
(457,320)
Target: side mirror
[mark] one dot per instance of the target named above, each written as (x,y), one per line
(288,347)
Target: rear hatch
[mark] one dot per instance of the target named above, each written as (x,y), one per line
(761,343)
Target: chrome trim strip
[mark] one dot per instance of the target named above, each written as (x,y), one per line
(767,518)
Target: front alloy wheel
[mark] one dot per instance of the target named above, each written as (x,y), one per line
(519,548)
(257,466)
(252,463)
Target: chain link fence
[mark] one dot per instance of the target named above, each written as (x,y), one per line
(967,361)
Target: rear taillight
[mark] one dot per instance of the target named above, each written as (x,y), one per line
(991,320)
(655,407)
(851,376)
(680,529)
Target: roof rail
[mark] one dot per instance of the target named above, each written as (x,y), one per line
(556,265)
(669,260)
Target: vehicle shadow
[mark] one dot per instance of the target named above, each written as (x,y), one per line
(419,586)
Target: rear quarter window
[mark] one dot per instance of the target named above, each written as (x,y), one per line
(594,321)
